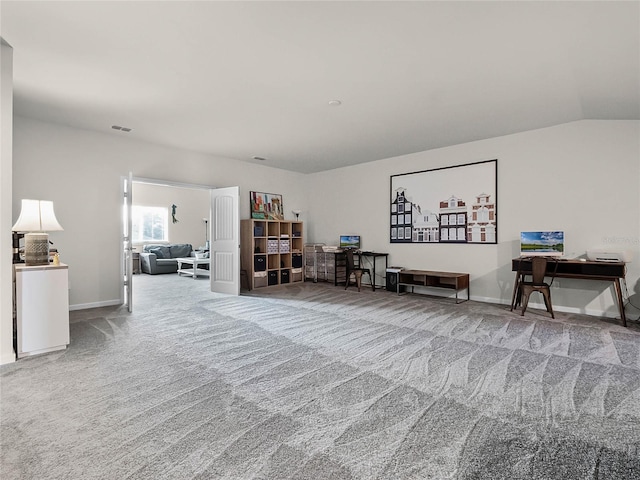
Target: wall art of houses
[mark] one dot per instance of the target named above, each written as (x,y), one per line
(445,205)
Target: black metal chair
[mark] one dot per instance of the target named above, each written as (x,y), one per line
(356,271)
(539,270)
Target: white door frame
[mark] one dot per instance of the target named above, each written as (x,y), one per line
(159,182)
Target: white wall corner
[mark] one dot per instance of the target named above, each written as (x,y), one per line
(7,354)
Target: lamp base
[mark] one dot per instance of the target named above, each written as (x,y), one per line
(36,249)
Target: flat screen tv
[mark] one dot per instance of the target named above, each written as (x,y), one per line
(350,241)
(549,244)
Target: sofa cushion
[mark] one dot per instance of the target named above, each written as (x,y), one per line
(180,250)
(161,252)
(147,248)
(167,261)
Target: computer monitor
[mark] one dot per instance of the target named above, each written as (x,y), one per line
(542,243)
(350,241)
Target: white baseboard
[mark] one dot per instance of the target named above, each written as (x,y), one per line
(462,295)
(84,306)
(556,308)
(7,358)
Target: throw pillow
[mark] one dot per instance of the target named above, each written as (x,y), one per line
(161,252)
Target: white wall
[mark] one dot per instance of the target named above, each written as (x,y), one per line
(581,177)
(6,242)
(193,204)
(81,170)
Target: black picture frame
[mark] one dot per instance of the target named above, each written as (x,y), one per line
(455,204)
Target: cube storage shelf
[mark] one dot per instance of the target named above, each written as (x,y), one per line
(271,252)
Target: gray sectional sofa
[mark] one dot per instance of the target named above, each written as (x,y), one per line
(156,259)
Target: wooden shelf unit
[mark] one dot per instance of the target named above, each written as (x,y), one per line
(271,252)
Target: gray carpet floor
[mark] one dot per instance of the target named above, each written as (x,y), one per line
(314,382)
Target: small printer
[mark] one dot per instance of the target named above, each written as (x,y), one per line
(608,255)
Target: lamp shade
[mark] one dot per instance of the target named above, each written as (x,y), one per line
(36,216)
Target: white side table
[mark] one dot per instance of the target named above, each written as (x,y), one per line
(42,308)
(195,263)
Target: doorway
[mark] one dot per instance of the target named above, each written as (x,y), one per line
(184,214)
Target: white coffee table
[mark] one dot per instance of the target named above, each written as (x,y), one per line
(195,264)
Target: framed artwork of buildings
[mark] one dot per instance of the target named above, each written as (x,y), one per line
(455,204)
(266,206)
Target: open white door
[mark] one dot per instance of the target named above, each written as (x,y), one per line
(225,240)
(127,184)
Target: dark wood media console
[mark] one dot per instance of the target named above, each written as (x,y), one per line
(427,278)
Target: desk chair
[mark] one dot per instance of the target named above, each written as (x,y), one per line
(356,271)
(537,283)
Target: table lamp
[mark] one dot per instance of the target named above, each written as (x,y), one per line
(36,218)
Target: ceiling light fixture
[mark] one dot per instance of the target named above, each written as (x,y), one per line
(335,103)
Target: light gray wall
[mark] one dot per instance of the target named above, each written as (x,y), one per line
(81,170)
(193,204)
(6,167)
(581,177)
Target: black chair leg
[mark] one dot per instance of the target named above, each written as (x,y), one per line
(525,302)
(547,303)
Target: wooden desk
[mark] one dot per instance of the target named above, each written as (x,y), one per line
(582,270)
(426,278)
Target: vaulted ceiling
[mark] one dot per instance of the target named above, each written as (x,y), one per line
(244,79)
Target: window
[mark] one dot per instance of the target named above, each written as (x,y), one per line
(149,224)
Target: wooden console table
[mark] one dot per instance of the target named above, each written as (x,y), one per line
(426,278)
(584,270)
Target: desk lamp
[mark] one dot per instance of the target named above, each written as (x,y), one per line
(37,218)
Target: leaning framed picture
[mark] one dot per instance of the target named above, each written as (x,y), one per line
(266,206)
(455,204)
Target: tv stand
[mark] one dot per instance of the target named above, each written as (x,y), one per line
(427,278)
